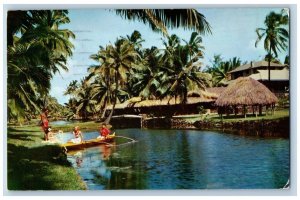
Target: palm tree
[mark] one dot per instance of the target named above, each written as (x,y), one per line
(194,45)
(145,77)
(136,40)
(123,55)
(187,79)
(275,35)
(101,92)
(71,107)
(180,68)
(71,89)
(161,19)
(27,80)
(37,48)
(219,69)
(85,104)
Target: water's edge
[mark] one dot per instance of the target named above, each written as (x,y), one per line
(264,128)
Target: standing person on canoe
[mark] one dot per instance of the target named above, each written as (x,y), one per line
(45,123)
(104,132)
(78,135)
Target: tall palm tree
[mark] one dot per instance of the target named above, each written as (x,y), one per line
(71,107)
(187,79)
(194,45)
(161,19)
(123,55)
(72,87)
(85,104)
(275,35)
(181,62)
(136,40)
(145,77)
(27,79)
(101,92)
(37,48)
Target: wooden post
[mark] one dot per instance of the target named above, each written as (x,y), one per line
(245,111)
(255,111)
(235,110)
(260,109)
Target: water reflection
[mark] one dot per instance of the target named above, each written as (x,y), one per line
(174,159)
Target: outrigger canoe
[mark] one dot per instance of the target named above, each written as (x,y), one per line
(88,143)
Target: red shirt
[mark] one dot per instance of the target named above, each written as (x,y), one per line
(104,132)
(45,122)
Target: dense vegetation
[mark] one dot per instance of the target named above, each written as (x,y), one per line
(36,49)
(128,70)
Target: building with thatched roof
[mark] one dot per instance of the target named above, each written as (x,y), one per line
(245,92)
(166,106)
(216,90)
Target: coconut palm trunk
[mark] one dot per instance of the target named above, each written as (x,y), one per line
(269,66)
(115,98)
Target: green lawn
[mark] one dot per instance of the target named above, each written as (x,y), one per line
(84,126)
(231,118)
(33,165)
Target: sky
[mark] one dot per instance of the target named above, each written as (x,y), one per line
(233,35)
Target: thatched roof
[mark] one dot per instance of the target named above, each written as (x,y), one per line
(202,93)
(246,91)
(136,102)
(216,90)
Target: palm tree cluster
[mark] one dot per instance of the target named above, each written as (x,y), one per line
(128,70)
(219,69)
(36,49)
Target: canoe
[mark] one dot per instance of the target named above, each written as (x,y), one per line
(88,143)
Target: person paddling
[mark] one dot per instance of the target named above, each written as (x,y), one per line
(104,132)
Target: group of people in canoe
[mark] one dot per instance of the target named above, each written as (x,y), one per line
(104,132)
(78,138)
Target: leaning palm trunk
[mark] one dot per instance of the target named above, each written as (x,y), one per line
(103,114)
(115,98)
(110,114)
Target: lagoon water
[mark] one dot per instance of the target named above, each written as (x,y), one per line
(183,159)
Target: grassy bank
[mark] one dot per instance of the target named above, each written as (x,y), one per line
(278,114)
(33,165)
(84,126)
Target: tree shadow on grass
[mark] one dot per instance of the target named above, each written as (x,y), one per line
(24,135)
(32,168)
(21,137)
(24,130)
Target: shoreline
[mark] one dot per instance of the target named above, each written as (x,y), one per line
(34,165)
(279,127)
(26,150)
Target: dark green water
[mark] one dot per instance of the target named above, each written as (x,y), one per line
(184,159)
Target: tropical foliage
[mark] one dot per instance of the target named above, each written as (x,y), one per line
(219,69)
(161,19)
(125,71)
(274,34)
(37,48)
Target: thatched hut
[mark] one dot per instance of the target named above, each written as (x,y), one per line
(166,106)
(245,92)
